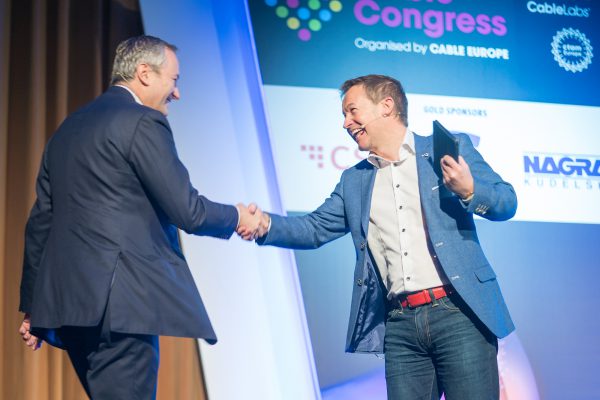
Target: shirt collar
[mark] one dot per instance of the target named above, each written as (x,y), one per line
(137,99)
(407,148)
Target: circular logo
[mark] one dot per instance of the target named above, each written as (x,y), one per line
(572,50)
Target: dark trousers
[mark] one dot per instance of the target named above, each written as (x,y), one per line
(440,347)
(112,365)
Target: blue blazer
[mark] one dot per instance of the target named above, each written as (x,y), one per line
(450,226)
(111,192)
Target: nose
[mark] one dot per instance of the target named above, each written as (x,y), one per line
(347,121)
(175,95)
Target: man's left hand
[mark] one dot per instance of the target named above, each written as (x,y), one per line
(457,176)
(31,341)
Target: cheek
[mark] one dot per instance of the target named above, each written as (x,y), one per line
(360,118)
(167,86)
(354,118)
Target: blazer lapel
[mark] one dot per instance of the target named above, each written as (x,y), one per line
(366,191)
(429,183)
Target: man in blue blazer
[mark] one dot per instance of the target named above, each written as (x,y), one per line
(103,271)
(424,293)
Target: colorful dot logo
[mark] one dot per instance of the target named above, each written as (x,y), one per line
(315,153)
(305,17)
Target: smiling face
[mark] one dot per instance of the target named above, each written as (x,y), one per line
(162,84)
(361,117)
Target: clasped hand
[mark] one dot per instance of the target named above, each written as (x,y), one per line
(254,223)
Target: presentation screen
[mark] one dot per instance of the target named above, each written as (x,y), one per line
(519,77)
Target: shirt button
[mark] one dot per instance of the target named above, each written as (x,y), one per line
(397,185)
(406,253)
(400,208)
(403,229)
(359,282)
(408,278)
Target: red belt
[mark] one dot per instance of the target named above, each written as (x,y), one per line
(422,297)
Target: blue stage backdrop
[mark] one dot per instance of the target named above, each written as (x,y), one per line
(522,78)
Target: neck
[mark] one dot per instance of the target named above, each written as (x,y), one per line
(391,140)
(134,87)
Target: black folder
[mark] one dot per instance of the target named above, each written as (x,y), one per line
(444,143)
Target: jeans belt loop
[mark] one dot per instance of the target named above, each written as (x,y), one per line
(434,300)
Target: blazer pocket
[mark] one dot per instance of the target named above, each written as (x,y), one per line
(485,273)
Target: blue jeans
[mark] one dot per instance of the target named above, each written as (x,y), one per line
(440,347)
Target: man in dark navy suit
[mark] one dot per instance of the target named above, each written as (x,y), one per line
(103,271)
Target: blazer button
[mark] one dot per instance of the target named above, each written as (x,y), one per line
(363,245)
(359,282)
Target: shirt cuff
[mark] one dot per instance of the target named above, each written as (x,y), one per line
(239,217)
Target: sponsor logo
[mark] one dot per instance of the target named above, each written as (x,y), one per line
(560,171)
(566,165)
(572,50)
(344,157)
(557,9)
(314,153)
(305,17)
(340,157)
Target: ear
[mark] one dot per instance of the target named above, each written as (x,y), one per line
(143,73)
(387,105)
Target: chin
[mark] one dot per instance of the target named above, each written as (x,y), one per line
(364,147)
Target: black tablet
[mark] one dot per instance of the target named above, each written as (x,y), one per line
(444,143)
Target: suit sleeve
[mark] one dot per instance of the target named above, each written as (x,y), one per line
(493,198)
(36,235)
(154,158)
(310,231)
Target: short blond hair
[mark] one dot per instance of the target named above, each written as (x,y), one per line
(377,88)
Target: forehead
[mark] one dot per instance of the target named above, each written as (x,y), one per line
(171,63)
(356,94)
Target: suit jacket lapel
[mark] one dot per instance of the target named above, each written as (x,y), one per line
(366,192)
(428,180)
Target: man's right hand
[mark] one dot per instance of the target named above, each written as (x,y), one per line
(253,222)
(31,341)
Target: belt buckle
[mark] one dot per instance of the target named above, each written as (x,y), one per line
(403,303)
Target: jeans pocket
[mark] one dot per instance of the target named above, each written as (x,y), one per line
(395,313)
(448,304)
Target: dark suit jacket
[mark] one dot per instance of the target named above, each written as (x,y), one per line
(111,191)
(450,226)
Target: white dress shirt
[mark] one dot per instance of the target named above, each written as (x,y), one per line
(397,235)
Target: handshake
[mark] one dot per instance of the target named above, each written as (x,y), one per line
(254,223)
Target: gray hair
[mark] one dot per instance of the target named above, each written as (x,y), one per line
(135,51)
